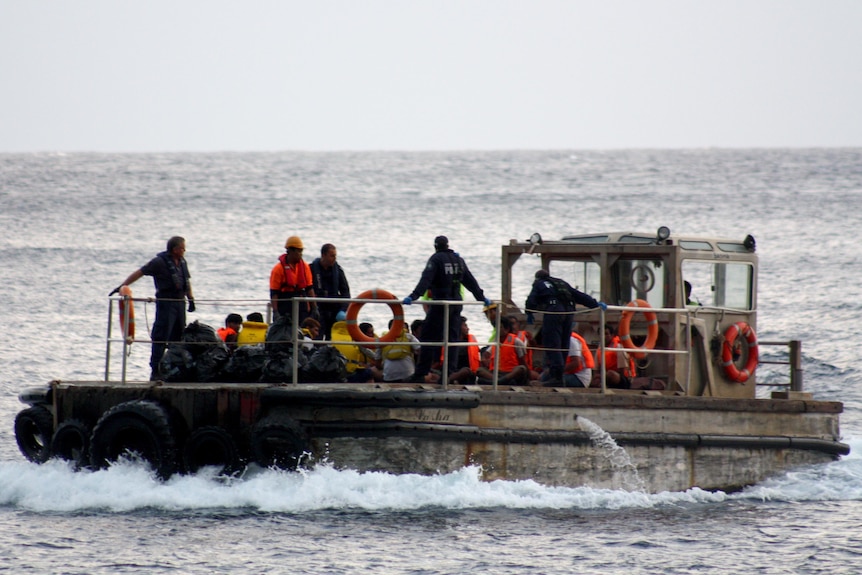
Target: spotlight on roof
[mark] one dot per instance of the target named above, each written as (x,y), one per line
(535,240)
(662,234)
(749,243)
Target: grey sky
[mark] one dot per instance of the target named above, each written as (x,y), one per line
(179,75)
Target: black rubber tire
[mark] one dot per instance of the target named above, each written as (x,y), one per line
(278,441)
(71,442)
(212,445)
(138,427)
(34,427)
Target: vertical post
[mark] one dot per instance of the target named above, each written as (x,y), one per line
(497,348)
(688,355)
(108,346)
(294,323)
(126,309)
(604,369)
(795,365)
(444,376)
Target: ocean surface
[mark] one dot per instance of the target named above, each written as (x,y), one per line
(75,225)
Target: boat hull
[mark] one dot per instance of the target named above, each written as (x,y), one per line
(560,437)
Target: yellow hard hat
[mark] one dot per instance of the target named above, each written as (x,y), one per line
(294,242)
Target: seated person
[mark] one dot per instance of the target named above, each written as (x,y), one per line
(310,330)
(468,358)
(513,352)
(231,329)
(529,342)
(578,371)
(399,359)
(253,330)
(620,369)
(369,366)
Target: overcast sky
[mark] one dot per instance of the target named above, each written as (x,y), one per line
(201,75)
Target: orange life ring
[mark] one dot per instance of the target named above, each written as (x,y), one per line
(128,330)
(652,328)
(353,313)
(732,372)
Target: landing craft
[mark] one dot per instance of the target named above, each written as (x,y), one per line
(688,416)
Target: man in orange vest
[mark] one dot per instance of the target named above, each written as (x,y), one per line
(291,277)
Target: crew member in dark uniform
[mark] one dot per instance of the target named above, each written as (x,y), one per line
(329,281)
(557,299)
(173,286)
(443,277)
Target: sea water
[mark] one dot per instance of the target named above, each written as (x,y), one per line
(75,225)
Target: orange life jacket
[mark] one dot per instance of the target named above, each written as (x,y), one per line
(508,354)
(223,332)
(472,354)
(589,361)
(615,358)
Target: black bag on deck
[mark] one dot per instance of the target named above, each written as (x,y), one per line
(199,337)
(209,364)
(245,365)
(177,364)
(279,367)
(279,336)
(326,365)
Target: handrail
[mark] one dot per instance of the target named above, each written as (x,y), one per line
(296,342)
(794,362)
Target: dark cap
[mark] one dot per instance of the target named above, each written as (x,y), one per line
(233,318)
(441,242)
(542,274)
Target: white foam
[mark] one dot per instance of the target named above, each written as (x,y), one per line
(56,487)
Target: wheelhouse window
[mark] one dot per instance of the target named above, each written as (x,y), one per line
(639,279)
(582,275)
(723,285)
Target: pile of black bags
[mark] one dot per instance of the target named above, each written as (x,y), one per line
(201,356)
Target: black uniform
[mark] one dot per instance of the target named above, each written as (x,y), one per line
(443,277)
(557,299)
(172,287)
(329,283)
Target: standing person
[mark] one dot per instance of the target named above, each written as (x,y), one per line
(444,275)
(557,299)
(170,273)
(329,281)
(291,277)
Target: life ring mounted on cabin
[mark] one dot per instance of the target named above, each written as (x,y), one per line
(732,372)
(353,313)
(128,330)
(625,328)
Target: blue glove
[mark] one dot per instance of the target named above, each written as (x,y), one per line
(488,302)
(340,316)
(191,305)
(530,318)
(603,305)
(408,300)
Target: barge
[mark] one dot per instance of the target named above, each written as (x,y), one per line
(708,427)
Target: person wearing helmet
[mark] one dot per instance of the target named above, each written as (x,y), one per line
(291,277)
(443,276)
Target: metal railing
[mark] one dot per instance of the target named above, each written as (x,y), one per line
(296,341)
(794,363)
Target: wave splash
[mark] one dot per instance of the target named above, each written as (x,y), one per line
(127,486)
